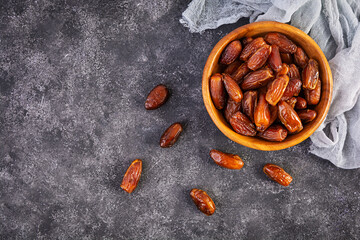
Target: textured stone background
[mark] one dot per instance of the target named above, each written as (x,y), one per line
(73,79)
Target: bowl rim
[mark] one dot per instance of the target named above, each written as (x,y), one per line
(247,141)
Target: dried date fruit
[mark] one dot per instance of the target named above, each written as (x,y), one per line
(248,104)
(202,201)
(307,115)
(292,89)
(293,72)
(262,112)
(274,133)
(289,117)
(277,174)
(217,91)
(292,101)
(275,59)
(284,70)
(300,57)
(284,44)
(171,135)
(273,114)
(252,47)
(246,40)
(232,67)
(242,125)
(132,176)
(276,89)
(259,58)
(286,58)
(310,75)
(313,96)
(240,72)
(231,108)
(256,79)
(157,97)
(300,103)
(226,160)
(232,88)
(231,52)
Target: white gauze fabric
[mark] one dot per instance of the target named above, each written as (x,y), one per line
(334,25)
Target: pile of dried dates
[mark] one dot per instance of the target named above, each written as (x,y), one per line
(261,91)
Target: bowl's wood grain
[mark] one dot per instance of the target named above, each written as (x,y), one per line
(312,50)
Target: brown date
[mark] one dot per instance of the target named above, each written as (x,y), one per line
(246,40)
(231,108)
(275,59)
(232,67)
(242,125)
(273,114)
(284,70)
(132,176)
(284,44)
(292,89)
(232,88)
(286,58)
(292,101)
(300,57)
(307,115)
(289,117)
(293,72)
(262,112)
(240,72)
(300,103)
(257,79)
(202,201)
(276,89)
(310,75)
(171,135)
(157,97)
(231,52)
(248,104)
(226,160)
(252,47)
(259,58)
(277,174)
(274,133)
(217,91)
(313,96)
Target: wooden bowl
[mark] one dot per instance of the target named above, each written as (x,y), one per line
(312,50)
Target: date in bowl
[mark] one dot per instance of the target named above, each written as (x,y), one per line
(260,29)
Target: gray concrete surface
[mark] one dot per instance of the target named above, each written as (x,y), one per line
(73,79)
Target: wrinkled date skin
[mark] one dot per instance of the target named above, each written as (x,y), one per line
(310,75)
(232,67)
(257,79)
(232,88)
(289,117)
(262,112)
(300,103)
(226,160)
(300,57)
(252,47)
(284,70)
(293,72)
(286,58)
(231,52)
(231,108)
(132,176)
(307,115)
(217,91)
(273,114)
(276,89)
(242,125)
(171,135)
(157,97)
(285,45)
(246,40)
(259,58)
(275,59)
(277,174)
(248,104)
(274,133)
(292,89)
(292,101)
(240,72)
(313,96)
(202,201)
